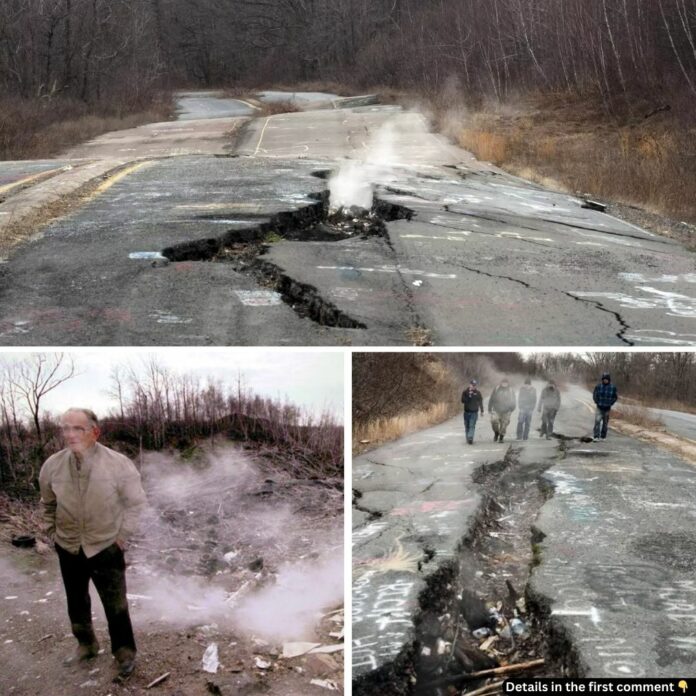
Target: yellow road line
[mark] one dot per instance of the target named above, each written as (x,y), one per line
(29,179)
(249,104)
(263,130)
(115,178)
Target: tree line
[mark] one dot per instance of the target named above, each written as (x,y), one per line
(387,385)
(88,49)
(158,409)
(655,379)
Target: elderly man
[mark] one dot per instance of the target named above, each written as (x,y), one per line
(92,497)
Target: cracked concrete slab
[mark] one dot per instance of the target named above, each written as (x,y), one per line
(614,544)
(619,556)
(485,258)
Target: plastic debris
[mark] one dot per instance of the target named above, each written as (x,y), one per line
(11,597)
(291,650)
(210,662)
(230,556)
(147,255)
(325,684)
(519,628)
(443,647)
(481,633)
(329,648)
(261,663)
(89,683)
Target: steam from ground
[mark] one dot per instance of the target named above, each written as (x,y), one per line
(292,606)
(354,182)
(214,507)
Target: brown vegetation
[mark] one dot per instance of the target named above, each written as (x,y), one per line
(637,415)
(282,106)
(398,393)
(572,144)
(35,128)
(158,410)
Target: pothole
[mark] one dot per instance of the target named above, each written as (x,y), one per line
(245,248)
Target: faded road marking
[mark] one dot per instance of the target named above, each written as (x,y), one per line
(258,298)
(30,180)
(115,178)
(263,130)
(389,269)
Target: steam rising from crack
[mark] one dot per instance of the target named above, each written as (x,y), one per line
(353,184)
(220,549)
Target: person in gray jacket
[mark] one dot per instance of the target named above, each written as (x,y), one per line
(549,403)
(526,403)
(500,405)
(92,498)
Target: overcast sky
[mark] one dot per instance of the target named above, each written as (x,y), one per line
(313,380)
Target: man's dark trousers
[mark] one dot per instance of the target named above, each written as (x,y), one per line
(470,418)
(107,570)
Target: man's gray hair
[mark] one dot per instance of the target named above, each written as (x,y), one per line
(88,413)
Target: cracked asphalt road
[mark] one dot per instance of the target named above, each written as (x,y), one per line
(616,570)
(485,259)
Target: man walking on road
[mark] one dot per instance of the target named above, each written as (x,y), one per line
(92,498)
(604,396)
(473,403)
(526,403)
(549,403)
(500,406)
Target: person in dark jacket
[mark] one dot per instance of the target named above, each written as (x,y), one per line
(473,403)
(526,403)
(500,406)
(549,403)
(604,396)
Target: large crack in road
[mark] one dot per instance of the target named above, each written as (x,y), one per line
(548,550)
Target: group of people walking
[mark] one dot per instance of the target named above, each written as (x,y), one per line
(503,402)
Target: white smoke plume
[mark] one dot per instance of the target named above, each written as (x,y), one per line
(353,184)
(217,508)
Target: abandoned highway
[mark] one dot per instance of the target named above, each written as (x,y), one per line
(216,229)
(590,545)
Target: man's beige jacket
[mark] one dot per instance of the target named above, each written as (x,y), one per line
(93,505)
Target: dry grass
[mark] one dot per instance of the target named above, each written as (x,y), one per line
(637,415)
(648,162)
(278,107)
(18,517)
(370,435)
(19,230)
(36,128)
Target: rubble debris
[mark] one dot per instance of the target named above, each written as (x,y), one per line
(210,662)
(325,684)
(594,205)
(291,650)
(483,674)
(159,680)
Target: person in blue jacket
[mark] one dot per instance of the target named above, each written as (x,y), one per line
(604,396)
